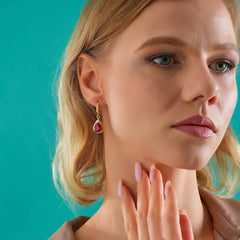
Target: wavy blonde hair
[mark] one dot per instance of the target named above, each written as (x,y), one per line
(78,165)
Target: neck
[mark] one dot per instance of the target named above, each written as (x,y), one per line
(109,219)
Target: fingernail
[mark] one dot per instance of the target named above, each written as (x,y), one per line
(167,187)
(120,188)
(138,171)
(152,173)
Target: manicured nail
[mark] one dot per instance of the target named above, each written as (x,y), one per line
(167,187)
(120,188)
(152,173)
(138,171)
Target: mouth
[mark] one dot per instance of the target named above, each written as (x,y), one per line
(197,126)
(197,131)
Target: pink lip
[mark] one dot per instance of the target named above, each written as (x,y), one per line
(197,126)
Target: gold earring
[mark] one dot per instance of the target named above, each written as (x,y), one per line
(98,125)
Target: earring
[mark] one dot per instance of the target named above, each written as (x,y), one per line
(98,125)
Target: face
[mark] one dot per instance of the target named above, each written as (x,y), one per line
(151,85)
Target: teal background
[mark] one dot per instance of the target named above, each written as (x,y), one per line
(33,38)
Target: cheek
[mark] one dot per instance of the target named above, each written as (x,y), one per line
(123,95)
(127,103)
(137,101)
(228,101)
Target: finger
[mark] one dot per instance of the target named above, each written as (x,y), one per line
(186,226)
(143,186)
(128,211)
(156,205)
(172,229)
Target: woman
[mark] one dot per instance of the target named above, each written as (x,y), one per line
(161,76)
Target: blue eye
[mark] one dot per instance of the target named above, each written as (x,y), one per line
(168,60)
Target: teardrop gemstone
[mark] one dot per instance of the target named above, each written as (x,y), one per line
(98,127)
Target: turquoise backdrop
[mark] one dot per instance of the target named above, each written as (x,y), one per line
(34,35)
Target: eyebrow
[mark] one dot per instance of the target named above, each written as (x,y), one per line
(178,42)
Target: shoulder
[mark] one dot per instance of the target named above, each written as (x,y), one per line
(225,213)
(66,231)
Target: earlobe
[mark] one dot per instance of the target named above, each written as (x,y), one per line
(89,79)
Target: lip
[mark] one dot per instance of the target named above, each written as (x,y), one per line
(197,126)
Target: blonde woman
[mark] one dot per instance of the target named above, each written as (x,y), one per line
(146,95)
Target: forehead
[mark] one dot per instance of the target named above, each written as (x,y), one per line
(197,22)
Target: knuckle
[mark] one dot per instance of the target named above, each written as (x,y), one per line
(169,218)
(153,215)
(141,215)
(128,226)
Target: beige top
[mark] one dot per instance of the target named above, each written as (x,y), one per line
(225,214)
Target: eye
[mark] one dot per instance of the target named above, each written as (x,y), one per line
(167,60)
(162,60)
(223,66)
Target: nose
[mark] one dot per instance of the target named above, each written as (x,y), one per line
(200,84)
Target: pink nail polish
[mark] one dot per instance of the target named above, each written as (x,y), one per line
(152,173)
(138,171)
(167,188)
(120,188)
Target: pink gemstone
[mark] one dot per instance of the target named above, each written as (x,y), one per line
(97,127)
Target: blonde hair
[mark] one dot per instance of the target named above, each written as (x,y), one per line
(79,166)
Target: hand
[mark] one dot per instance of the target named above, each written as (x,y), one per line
(156,217)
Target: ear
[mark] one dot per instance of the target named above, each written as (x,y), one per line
(89,79)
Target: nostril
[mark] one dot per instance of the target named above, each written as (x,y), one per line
(213,100)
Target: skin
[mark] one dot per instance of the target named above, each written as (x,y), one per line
(140,102)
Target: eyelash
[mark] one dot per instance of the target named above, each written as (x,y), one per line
(230,64)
